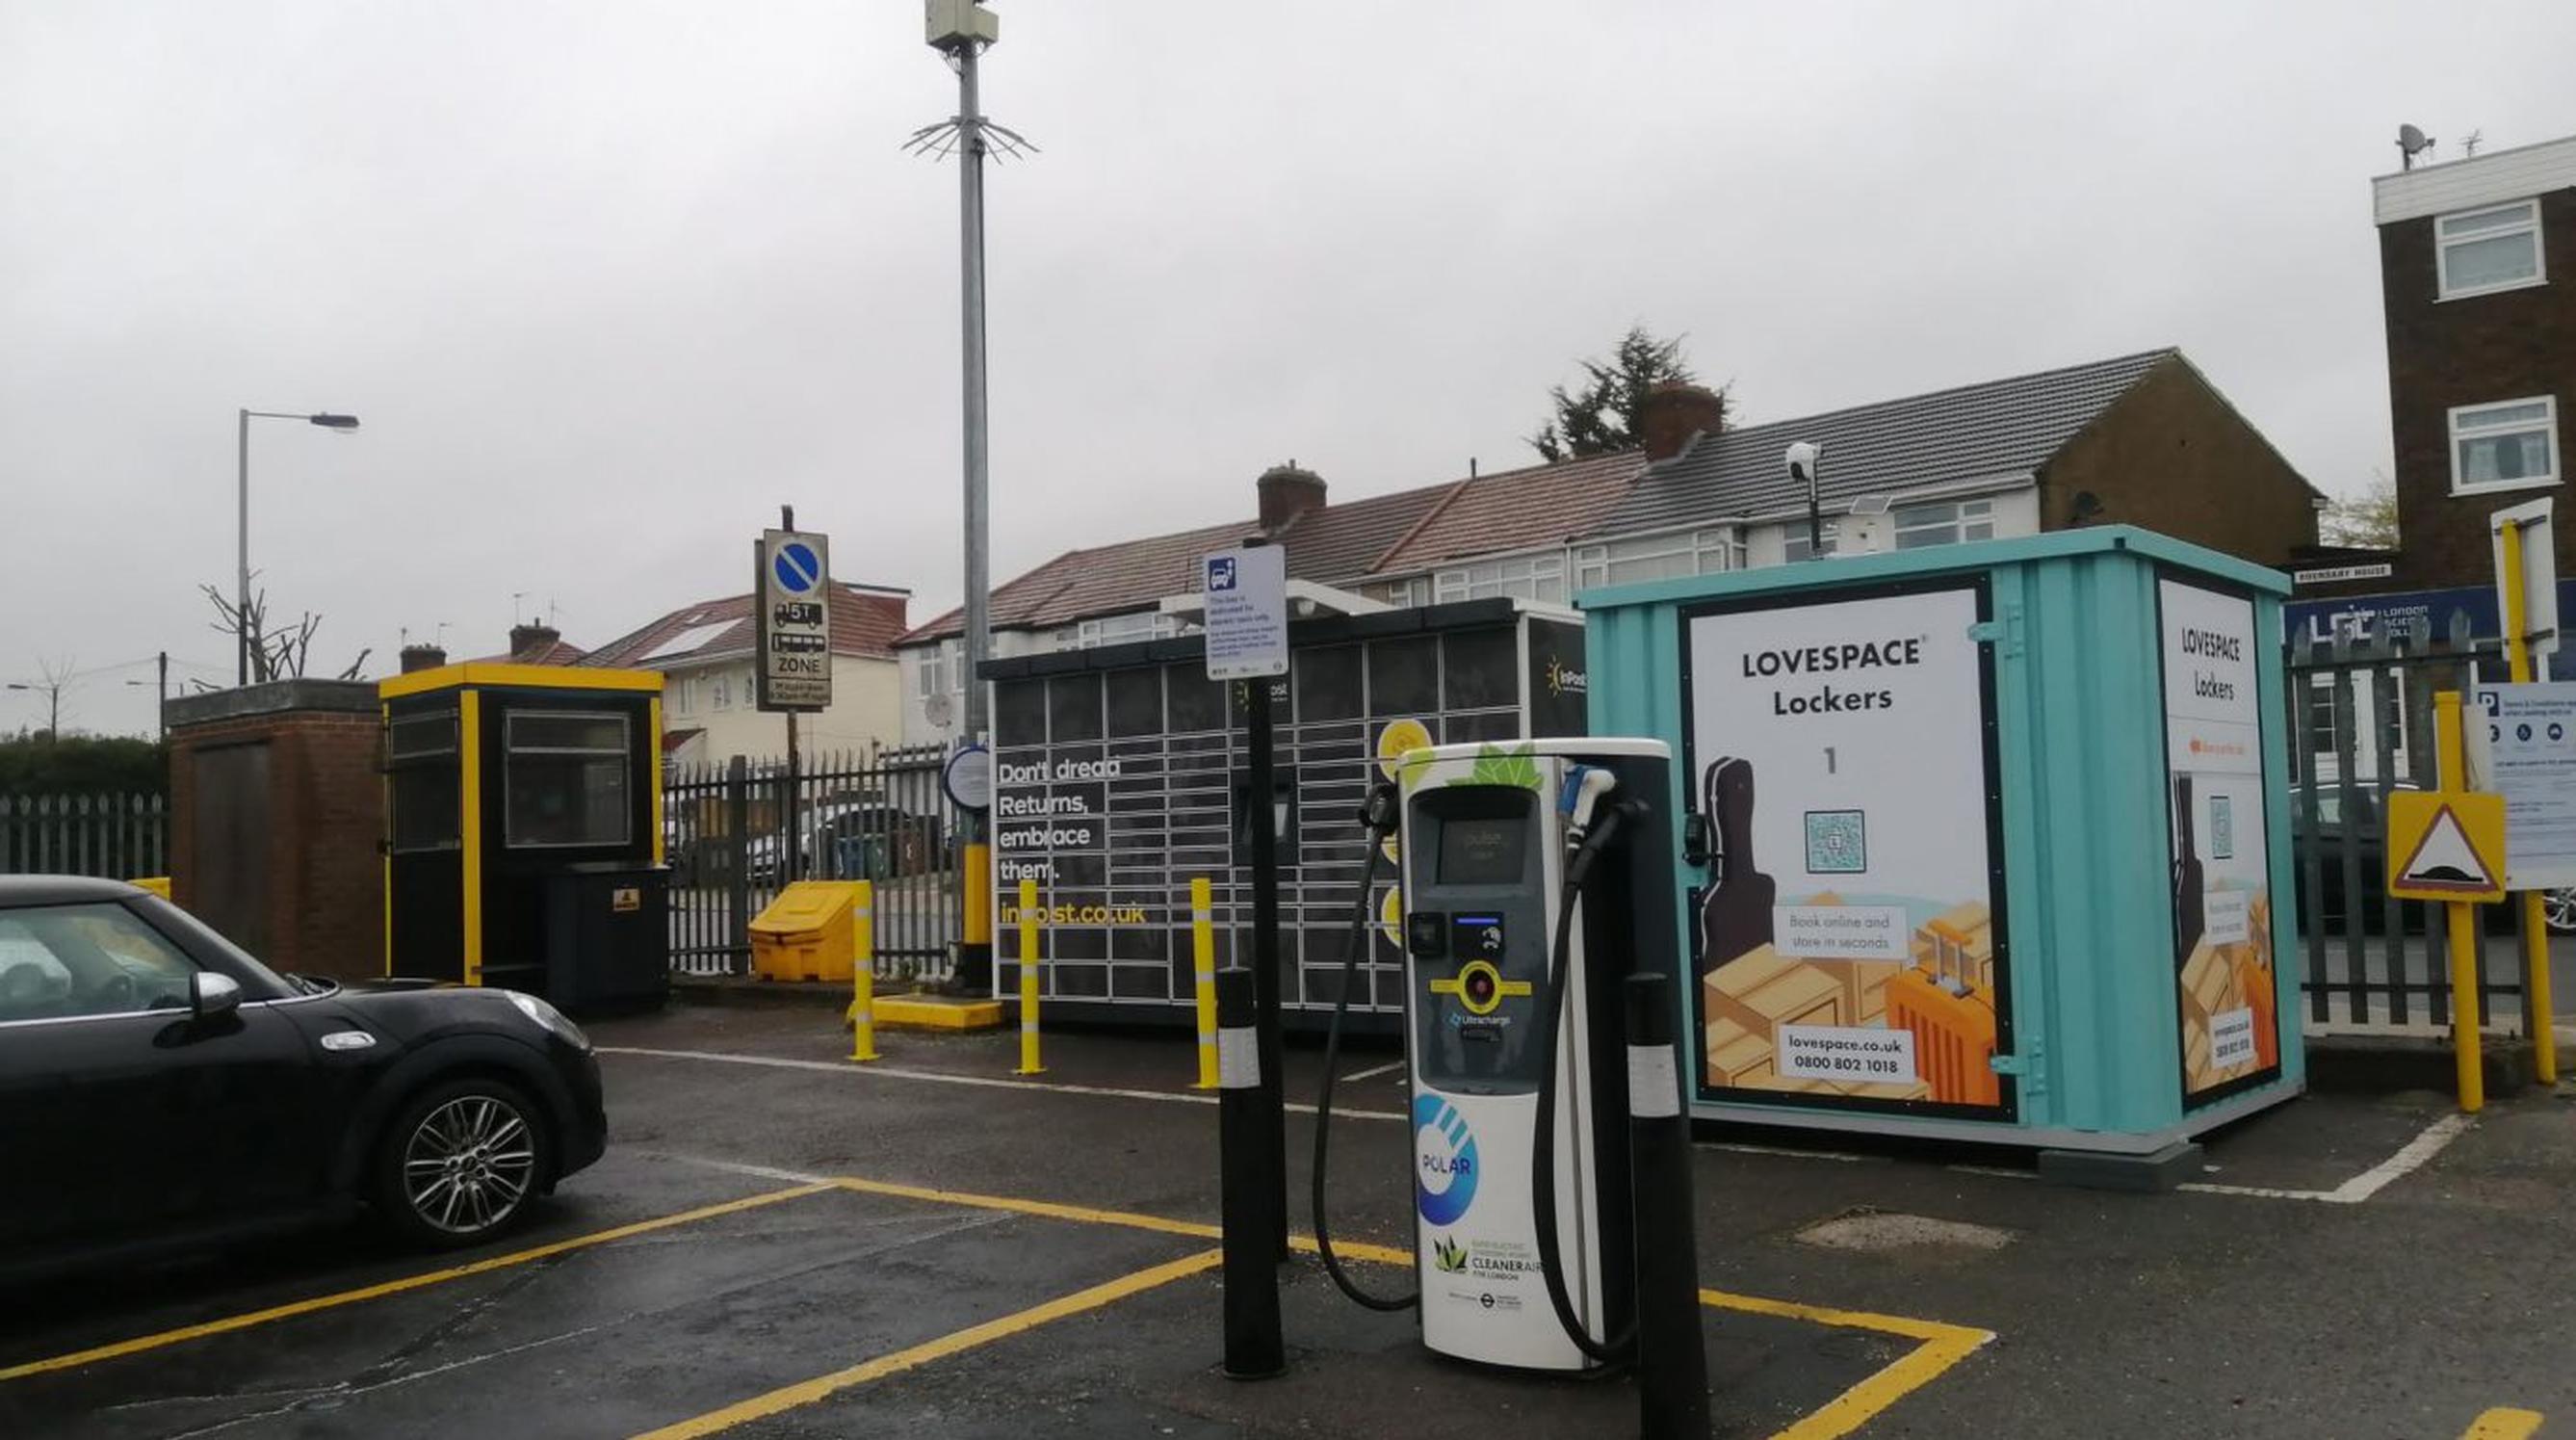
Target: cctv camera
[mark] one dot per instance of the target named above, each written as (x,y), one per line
(1802,461)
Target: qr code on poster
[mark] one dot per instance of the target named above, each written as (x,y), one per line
(1837,842)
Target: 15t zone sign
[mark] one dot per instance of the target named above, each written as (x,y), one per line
(791,601)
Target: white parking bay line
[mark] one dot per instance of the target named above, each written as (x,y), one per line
(990,1082)
(2410,1157)
(1388,1068)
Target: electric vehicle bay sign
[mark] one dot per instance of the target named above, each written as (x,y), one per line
(1246,590)
(1849,949)
(2216,833)
(792,620)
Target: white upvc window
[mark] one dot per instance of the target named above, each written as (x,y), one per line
(1120,629)
(2510,445)
(1527,577)
(1794,546)
(938,670)
(2497,248)
(684,697)
(1945,523)
(1657,557)
(724,692)
(1406,593)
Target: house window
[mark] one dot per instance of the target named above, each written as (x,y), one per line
(1657,557)
(2508,446)
(2493,249)
(724,692)
(1526,577)
(937,671)
(1794,546)
(1947,523)
(1405,593)
(1121,629)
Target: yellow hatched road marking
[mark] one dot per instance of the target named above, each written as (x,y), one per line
(395,1287)
(2504,1424)
(806,1392)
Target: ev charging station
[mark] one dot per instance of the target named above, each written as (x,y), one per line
(1551,1156)
(1504,1102)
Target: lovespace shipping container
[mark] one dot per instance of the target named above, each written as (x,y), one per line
(1986,841)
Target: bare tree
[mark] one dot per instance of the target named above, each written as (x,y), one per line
(278,654)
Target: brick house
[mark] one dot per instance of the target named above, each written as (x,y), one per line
(710,704)
(2477,269)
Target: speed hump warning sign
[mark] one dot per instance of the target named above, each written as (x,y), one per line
(2446,845)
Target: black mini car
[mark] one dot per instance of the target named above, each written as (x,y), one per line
(160,1090)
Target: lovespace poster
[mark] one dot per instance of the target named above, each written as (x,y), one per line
(1848,949)
(2221,867)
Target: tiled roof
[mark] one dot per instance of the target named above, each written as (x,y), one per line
(1337,544)
(865,623)
(549,651)
(1995,430)
(1516,510)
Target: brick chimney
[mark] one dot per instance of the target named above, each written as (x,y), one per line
(532,639)
(1287,492)
(1675,411)
(422,657)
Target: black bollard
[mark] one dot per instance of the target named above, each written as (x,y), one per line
(1672,1365)
(1251,1202)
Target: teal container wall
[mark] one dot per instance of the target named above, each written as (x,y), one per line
(2080,725)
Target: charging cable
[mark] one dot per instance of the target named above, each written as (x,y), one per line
(1378,817)
(1579,802)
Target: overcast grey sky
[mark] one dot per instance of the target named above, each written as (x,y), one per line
(608,281)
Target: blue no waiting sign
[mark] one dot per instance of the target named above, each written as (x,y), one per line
(798,568)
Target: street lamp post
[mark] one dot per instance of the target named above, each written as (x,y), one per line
(1803,465)
(53,707)
(160,684)
(241,573)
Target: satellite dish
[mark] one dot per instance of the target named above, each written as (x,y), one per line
(2412,142)
(938,709)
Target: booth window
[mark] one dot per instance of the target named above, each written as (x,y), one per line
(566,774)
(420,754)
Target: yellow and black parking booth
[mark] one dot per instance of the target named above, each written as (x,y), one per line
(523,843)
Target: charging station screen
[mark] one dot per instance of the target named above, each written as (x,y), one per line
(1482,851)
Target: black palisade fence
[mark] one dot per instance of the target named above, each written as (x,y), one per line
(879,815)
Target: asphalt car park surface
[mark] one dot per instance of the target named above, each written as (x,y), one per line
(779,1243)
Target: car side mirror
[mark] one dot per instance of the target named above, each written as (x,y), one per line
(211,995)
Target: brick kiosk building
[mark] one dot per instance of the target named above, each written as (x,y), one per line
(276,811)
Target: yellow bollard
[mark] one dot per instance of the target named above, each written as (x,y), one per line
(1029,980)
(863,974)
(2539,1010)
(2465,1039)
(1203,955)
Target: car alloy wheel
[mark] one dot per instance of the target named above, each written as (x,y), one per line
(2558,908)
(469,1164)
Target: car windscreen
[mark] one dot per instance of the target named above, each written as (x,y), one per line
(258,982)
